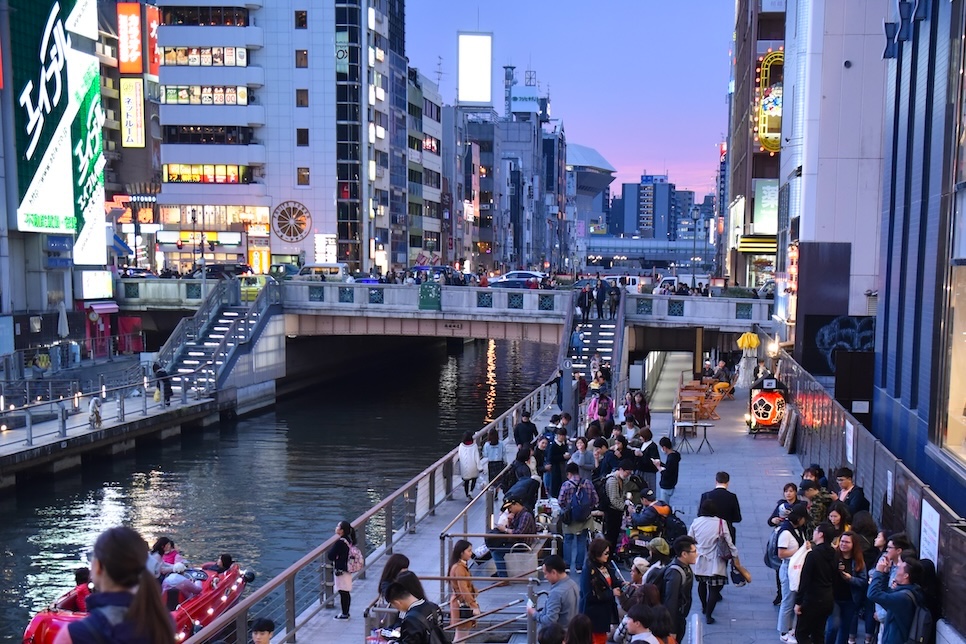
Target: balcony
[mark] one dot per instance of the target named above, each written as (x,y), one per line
(109,92)
(253,154)
(415,156)
(250,115)
(195,36)
(415,189)
(252,76)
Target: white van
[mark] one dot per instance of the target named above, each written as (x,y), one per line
(329,272)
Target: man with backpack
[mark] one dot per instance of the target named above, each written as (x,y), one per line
(616,505)
(578,499)
(676,582)
(422,623)
(907,618)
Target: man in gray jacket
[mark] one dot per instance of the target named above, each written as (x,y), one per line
(561,604)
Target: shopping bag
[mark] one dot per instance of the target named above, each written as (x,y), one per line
(157,395)
(795,568)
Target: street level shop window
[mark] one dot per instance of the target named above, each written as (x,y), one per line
(952,436)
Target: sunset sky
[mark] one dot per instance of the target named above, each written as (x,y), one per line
(642,81)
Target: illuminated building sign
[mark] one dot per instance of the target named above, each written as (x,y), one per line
(58,120)
(765,214)
(129,37)
(474,68)
(132,112)
(768,101)
(153,52)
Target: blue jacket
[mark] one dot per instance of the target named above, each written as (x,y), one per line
(597,599)
(105,621)
(900,607)
(561,604)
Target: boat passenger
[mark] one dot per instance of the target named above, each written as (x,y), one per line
(82,581)
(127,609)
(224,563)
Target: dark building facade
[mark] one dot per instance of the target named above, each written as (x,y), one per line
(919,403)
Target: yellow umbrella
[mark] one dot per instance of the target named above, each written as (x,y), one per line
(748,340)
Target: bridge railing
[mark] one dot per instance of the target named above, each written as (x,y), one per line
(689,309)
(405,298)
(294,597)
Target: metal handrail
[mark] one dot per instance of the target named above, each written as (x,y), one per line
(438,474)
(241,330)
(188,328)
(66,406)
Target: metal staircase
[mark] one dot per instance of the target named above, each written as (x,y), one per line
(201,346)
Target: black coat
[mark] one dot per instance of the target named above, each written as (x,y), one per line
(419,620)
(726,506)
(856,500)
(818,573)
(524,432)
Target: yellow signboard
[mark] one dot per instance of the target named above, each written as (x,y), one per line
(132,112)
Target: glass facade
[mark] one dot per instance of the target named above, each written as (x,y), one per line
(348,82)
(952,428)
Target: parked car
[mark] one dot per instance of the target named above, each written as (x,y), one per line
(282,272)
(511,283)
(517,275)
(252,284)
(223,271)
(137,273)
(440,273)
(325,272)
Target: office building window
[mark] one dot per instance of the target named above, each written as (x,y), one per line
(301,57)
(301,98)
(302,136)
(301,19)
(303,177)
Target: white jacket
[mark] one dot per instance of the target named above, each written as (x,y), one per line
(705,531)
(470,462)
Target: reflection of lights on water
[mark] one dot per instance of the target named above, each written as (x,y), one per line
(490,396)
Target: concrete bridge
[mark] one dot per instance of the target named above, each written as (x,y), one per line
(329,308)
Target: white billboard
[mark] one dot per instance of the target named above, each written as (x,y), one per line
(474,84)
(524,99)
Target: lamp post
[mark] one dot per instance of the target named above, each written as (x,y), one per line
(694,248)
(143,194)
(201,247)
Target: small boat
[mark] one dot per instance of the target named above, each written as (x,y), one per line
(220,591)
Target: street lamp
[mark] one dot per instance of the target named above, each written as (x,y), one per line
(201,247)
(144,194)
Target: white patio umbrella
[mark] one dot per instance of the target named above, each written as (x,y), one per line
(63,329)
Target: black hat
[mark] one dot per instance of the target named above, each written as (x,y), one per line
(649,495)
(798,512)
(510,501)
(627,465)
(525,413)
(808,484)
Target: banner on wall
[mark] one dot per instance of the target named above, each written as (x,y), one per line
(132,112)
(153,52)
(129,59)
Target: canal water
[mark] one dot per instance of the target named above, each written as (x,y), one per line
(267,488)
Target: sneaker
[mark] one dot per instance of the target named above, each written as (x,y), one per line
(341,617)
(789,637)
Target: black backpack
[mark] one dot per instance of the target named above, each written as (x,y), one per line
(673,528)
(922,623)
(603,501)
(661,582)
(526,491)
(772,560)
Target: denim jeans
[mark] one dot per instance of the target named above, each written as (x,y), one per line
(575,550)
(498,554)
(786,612)
(843,623)
(665,495)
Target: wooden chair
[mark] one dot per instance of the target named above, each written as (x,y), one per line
(706,409)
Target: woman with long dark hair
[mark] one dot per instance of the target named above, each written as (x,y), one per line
(395,564)
(599,580)
(118,571)
(464,593)
(494,454)
(849,587)
(580,631)
(339,556)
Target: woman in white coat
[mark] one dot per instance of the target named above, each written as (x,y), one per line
(710,570)
(470,463)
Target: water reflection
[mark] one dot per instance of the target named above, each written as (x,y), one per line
(271,487)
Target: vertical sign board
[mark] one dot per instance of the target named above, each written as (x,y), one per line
(132,112)
(129,60)
(153,52)
(58,121)
(474,84)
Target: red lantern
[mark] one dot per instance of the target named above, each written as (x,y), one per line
(768,408)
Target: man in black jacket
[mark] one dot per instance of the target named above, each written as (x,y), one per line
(422,623)
(850,493)
(525,432)
(724,501)
(814,601)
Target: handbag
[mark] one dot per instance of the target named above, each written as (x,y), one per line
(722,548)
(737,578)
(795,563)
(466,612)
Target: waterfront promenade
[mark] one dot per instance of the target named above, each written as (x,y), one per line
(758,468)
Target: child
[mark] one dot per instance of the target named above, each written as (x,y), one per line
(82,579)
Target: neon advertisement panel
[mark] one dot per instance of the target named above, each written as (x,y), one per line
(58,120)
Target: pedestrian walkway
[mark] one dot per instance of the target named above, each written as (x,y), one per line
(758,468)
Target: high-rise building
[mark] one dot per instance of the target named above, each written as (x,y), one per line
(424,168)
(658,204)
(273,145)
(754,139)
(828,199)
